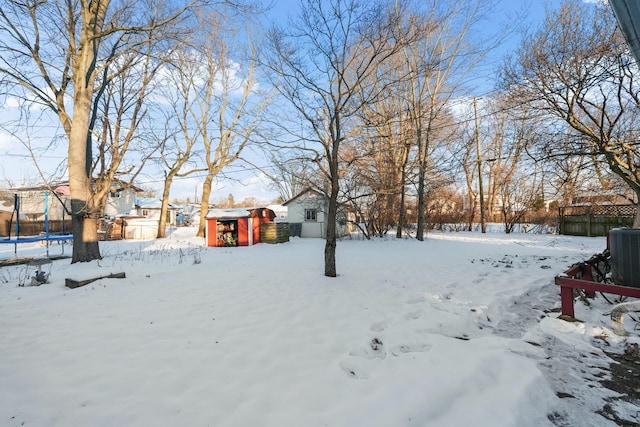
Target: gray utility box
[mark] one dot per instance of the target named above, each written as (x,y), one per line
(624,244)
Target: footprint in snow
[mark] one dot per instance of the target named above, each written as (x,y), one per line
(352,369)
(410,348)
(416,300)
(375,350)
(414,315)
(379,326)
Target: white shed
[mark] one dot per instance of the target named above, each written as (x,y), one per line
(307,215)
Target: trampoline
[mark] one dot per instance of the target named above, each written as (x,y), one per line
(47,237)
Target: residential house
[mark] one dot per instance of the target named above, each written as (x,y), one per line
(125,213)
(280,211)
(36,202)
(307,215)
(121,200)
(150,208)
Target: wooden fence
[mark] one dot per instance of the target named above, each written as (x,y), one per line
(595,220)
(274,232)
(33,228)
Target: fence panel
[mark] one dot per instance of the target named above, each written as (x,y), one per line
(595,221)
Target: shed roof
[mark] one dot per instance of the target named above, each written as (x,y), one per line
(241,213)
(228,213)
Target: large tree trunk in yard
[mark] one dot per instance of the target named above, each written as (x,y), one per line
(85,233)
(204,205)
(84,224)
(83,214)
(162,223)
(330,244)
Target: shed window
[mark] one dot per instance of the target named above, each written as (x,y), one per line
(114,194)
(310,214)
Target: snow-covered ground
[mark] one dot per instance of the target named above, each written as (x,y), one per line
(453,331)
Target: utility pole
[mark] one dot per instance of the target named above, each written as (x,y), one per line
(483,225)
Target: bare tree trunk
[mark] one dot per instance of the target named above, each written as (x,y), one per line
(162,224)
(471,196)
(204,204)
(330,244)
(401,212)
(84,225)
(421,177)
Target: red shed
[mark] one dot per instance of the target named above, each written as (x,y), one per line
(236,227)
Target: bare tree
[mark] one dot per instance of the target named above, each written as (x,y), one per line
(122,109)
(289,176)
(229,102)
(437,66)
(578,71)
(565,174)
(513,183)
(54,54)
(470,167)
(385,152)
(322,59)
(180,138)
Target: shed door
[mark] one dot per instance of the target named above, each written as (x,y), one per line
(243,232)
(255,229)
(211,232)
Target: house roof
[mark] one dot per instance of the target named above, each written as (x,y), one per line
(303,192)
(41,187)
(150,203)
(118,185)
(627,14)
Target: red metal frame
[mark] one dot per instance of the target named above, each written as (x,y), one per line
(580,276)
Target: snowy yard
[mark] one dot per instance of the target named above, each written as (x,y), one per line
(452,331)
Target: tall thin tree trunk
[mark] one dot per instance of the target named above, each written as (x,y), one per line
(204,204)
(403,192)
(330,244)
(162,224)
(421,203)
(422,170)
(331,238)
(402,209)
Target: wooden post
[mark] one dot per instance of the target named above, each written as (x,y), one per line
(566,299)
